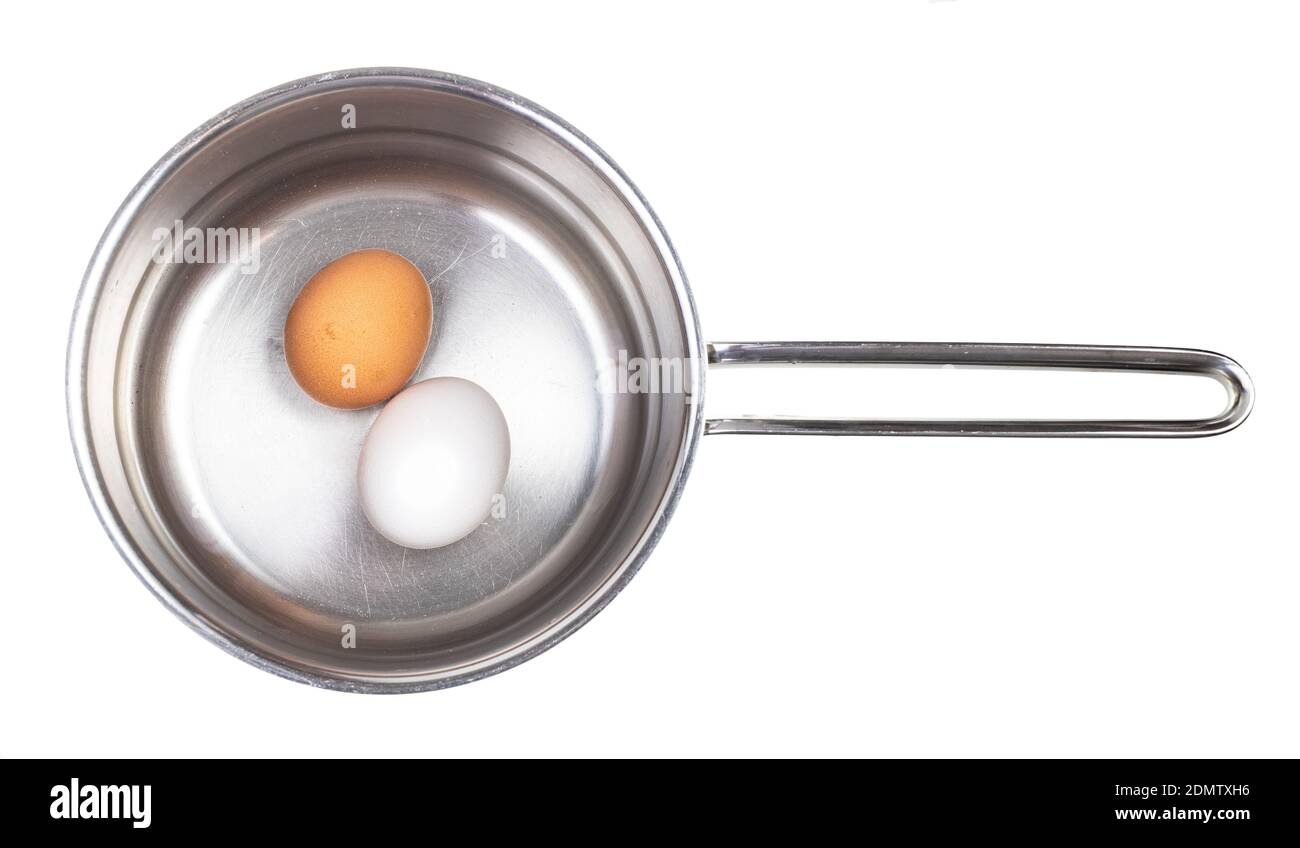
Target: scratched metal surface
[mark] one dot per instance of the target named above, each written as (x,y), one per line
(234,493)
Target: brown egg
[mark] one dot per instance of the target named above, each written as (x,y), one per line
(358,329)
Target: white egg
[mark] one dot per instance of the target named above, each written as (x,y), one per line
(434,462)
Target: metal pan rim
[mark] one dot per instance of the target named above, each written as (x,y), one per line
(94,279)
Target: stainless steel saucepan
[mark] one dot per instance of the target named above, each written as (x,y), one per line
(232,494)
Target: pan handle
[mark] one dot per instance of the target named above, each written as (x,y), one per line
(1165,360)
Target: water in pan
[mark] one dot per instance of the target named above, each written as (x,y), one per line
(257,480)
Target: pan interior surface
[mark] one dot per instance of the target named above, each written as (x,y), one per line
(234,494)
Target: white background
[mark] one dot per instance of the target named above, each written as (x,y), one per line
(1109,172)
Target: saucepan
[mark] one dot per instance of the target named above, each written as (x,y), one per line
(233,496)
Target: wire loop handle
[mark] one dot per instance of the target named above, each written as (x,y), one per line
(1165,360)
